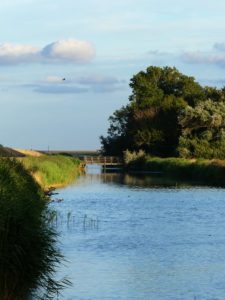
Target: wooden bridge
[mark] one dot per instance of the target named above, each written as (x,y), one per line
(90,158)
(102,160)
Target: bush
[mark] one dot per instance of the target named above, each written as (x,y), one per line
(201,148)
(130,157)
(203,134)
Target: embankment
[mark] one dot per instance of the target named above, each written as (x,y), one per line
(52,170)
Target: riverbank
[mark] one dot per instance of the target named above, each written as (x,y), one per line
(29,253)
(52,170)
(210,172)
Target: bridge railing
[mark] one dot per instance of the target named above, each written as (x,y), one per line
(102,160)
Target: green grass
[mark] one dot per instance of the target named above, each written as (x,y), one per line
(210,172)
(52,170)
(28,250)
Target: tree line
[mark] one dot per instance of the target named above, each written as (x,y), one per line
(169,114)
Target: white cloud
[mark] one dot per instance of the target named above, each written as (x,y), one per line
(10,53)
(70,50)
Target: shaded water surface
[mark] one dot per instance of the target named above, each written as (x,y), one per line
(136,238)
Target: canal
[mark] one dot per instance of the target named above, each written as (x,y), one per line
(127,237)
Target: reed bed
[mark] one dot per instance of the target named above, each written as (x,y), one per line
(210,172)
(29,255)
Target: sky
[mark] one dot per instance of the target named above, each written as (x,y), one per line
(96,46)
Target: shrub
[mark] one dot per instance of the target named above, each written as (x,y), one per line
(130,157)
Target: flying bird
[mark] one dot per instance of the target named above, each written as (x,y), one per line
(63,79)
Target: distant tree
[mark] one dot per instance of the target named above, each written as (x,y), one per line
(169,114)
(149,122)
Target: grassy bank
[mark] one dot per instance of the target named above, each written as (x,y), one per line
(211,172)
(52,170)
(28,251)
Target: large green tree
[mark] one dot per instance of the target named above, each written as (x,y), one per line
(118,138)
(150,120)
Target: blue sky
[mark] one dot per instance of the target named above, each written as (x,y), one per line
(97,46)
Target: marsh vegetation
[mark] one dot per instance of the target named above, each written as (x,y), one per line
(203,171)
(29,254)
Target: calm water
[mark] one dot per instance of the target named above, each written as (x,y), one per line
(132,238)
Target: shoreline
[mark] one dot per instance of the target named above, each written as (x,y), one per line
(210,172)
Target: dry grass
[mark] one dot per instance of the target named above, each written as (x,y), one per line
(29,152)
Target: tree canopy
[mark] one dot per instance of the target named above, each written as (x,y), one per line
(164,106)
(203,130)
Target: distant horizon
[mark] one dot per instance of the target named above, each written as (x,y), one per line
(54,149)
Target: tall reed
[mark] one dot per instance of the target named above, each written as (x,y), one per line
(29,254)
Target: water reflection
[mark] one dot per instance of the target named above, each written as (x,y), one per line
(71,221)
(134,180)
(132,237)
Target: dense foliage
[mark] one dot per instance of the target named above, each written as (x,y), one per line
(28,251)
(158,118)
(203,133)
